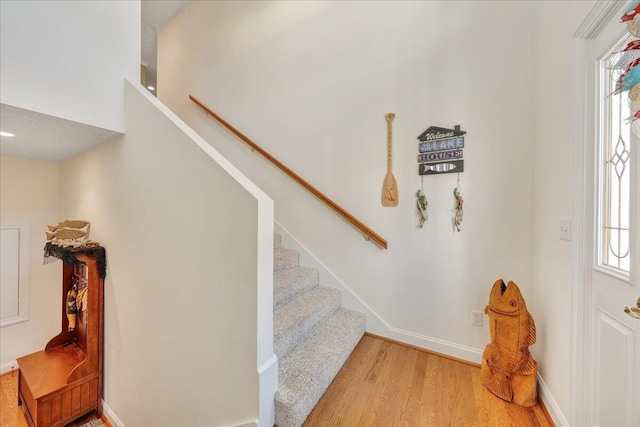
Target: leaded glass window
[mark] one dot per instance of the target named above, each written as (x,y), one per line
(614,163)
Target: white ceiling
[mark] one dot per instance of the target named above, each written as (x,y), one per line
(43,137)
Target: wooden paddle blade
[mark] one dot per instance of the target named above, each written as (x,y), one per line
(389,191)
(389,188)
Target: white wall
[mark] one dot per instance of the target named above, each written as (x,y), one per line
(29,194)
(551,297)
(184,251)
(69,58)
(311,82)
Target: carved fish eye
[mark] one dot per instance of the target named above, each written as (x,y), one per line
(512,303)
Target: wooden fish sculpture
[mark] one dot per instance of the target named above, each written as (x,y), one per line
(507,369)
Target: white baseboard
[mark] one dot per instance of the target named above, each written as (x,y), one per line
(111,416)
(115,421)
(8,367)
(436,345)
(375,324)
(268,385)
(550,403)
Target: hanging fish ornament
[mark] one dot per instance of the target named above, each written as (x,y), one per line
(457,208)
(507,369)
(422,207)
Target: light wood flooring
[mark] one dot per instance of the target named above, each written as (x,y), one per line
(11,414)
(388,384)
(382,384)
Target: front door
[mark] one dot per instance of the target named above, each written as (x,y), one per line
(611,252)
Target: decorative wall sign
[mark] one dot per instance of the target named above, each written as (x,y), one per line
(442,167)
(440,150)
(440,156)
(441,144)
(435,132)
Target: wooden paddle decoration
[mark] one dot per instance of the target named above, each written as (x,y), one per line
(389,188)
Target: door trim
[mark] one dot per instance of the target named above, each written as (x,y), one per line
(582,301)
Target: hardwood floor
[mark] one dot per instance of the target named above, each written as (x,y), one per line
(388,384)
(382,384)
(11,414)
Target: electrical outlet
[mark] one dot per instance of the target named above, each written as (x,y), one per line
(476,318)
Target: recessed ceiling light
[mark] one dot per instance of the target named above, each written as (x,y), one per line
(7,134)
(151,88)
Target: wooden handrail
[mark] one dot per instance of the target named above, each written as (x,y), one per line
(369,233)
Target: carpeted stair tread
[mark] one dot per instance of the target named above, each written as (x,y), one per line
(284,259)
(294,321)
(306,372)
(313,336)
(292,282)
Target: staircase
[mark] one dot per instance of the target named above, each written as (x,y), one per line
(312,336)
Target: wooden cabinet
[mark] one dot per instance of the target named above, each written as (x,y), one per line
(64,381)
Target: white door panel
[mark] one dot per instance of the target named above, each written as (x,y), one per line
(614,385)
(614,336)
